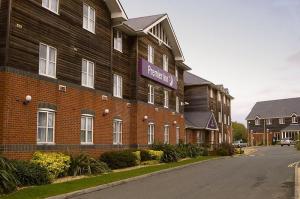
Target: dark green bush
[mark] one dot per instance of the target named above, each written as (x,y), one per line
(225,149)
(119,159)
(85,165)
(182,151)
(8,182)
(28,173)
(145,155)
(194,151)
(170,153)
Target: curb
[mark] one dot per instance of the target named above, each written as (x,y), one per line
(113,184)
(297,181)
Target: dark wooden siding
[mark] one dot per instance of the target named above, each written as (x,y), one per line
(64,32)
(4,12)
(197,97)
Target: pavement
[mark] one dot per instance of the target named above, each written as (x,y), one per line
(268,173)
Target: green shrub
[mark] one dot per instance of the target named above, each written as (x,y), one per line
(182,150)
(57,164)
(8,182)
(194,151)
(225,149)
(145,155)
(85,165)
(156,155)
(170,153)
(119,159)
(28,173)
(138,157)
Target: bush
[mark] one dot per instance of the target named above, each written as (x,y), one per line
(85,165)
(191,150)
(181,150)
(156,155)
(170,154)
(57,164)
(145,155)
(138,157)
(28,173)
(119,159)
(8,182)
(225,149)
(297,145)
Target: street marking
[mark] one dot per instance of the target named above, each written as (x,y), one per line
(293,165)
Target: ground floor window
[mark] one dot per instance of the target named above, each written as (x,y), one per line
(200,137)
(220,138)
(46,123)
(177,135)
(166,134)
(117,132)
(151,133)
(86,133)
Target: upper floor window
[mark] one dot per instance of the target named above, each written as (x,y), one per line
(229,121)
(150,54)
(46,123)
(118,86)
(51,5)
(228,102)
(220,117)
(177,104)
(219,96)
(47,63)
(87,76)
(176,72)
(269,121)
(281,121)
(117,132)
(257,121)
(89,18)
(151,94)
(294,119)
(166,63)
(118,43)
(166,134)
(224,100)
(225,118)
(151,133)
(166,99)
(211,93)
(86,130)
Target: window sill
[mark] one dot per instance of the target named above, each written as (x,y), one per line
(45,144)
(49,76)
(87,86)
(86,144)
(118,50)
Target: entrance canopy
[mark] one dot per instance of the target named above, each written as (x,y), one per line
(201,120)
(292,127)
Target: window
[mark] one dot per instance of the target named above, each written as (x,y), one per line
(86,132)
(166,63)
(118,44)
(151,94)
(220,117)
(46,123)
(117,132)
(87,77)
(47,65)
(228,122)
(177,135)
(281,121)
(257,122)
(51,5)
(225,122)
(166,99)
(176,73)
(220,138)
(150,54)
(224,100)
(269,121)
(166,134)
(118,86)
(228,102)
(177,105)
(294,119)
(150,133)
(211,93)
(89,18)
(219,96)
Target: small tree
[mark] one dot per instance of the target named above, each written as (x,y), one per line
(239,131)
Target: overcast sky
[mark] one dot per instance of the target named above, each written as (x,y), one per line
(250,46)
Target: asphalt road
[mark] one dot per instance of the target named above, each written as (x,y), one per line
(263,175)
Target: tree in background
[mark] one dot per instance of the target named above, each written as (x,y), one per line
(239,131)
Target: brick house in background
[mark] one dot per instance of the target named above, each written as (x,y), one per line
(79,76)
(275,119)
(207,111)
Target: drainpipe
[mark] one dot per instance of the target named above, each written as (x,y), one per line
(222,115)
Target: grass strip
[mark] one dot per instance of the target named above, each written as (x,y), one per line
(45,191)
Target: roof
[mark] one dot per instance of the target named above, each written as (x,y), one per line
(200,120)
(275,109)
(292,127)
(141,23)
(117,11)
(194,80)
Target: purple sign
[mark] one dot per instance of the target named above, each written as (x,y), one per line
(157,74)
(212,124)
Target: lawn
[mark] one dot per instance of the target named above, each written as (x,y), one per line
(67,187)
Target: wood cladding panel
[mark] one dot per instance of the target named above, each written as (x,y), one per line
(197,98)
(4,11)
(64,32)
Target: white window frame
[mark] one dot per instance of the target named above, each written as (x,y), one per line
(177,135)
(151,54)
(225,118)
(86,130)
(151,132)
(48,5)
(118,86)
(281,120)
(294,119)
(166,134)
(91,24)
(224,99)
(47,111)
(177,105)
(117,132)
(211,93)
(228,122)
(88,73)
(151,94)
(47,60)
(166,63)
(220,117)
(166,99)
(257,122)
(269,122)
(219,96)
(176,72)
(118,41)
